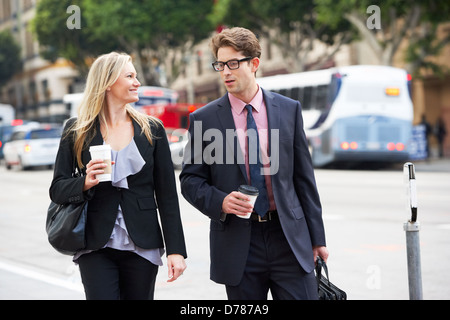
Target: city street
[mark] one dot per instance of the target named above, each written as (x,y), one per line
(364,213)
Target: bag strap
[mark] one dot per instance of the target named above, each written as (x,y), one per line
(320,264)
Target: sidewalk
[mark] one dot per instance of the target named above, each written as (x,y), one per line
(433,165)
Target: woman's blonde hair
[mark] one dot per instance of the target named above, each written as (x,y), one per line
(103,73)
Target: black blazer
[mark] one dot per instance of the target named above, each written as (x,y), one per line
(205,183)
(151,190)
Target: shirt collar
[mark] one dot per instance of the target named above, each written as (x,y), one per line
(238,105)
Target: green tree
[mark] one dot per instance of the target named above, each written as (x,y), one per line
(150,29)
(57,40)
(291,25)
(414,21)
(147,30)
(10,62)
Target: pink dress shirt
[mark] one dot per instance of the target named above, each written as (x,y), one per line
(240,120)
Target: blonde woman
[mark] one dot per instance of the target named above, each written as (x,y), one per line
(124,238)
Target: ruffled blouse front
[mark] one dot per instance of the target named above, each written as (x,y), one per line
(127,161)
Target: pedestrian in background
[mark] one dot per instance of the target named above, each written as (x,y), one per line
(428,131)
(275,249)
(124,242)
(441,132)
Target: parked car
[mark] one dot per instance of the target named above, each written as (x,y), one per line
(7,129)
(5,134)
(32,146)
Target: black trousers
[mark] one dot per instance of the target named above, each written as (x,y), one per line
(110,274)
(271,265)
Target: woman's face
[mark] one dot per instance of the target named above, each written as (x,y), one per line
(124,90)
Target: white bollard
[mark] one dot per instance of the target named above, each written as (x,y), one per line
(412,228)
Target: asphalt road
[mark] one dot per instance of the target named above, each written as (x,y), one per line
(364,213)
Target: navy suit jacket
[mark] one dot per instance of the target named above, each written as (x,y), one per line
(206,180)
(150,191)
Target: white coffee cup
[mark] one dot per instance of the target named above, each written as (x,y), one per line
(252,193)
(102,152)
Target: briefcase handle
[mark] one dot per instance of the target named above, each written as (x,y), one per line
(320,264)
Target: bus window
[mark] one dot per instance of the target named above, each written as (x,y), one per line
(307,98)
(321,97)
(313,98)
(300,95)
(285,92)
(295,93)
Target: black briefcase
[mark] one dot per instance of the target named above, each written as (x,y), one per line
(327,290)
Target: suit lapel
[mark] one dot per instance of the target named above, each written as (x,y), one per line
(273,118)
(232,145)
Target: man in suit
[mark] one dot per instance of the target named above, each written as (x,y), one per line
(275,249)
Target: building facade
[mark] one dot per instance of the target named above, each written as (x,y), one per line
(37,92)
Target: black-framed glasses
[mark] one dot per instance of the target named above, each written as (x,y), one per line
(231,64)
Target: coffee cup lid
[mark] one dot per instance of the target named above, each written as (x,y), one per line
(250,190)
(100,147)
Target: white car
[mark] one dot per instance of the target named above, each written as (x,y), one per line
(32,146)
(178,138)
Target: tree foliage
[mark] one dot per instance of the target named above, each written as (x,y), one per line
(151,29)
(10,61)
(291,25)
(414,21)
(145,29)
(56,40)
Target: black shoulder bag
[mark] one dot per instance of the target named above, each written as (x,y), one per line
(327,290)
(66,224)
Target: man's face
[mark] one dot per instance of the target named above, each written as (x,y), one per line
(239,82)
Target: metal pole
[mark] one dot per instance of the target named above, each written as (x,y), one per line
(412,228)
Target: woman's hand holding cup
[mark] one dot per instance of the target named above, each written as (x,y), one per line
(93,168)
